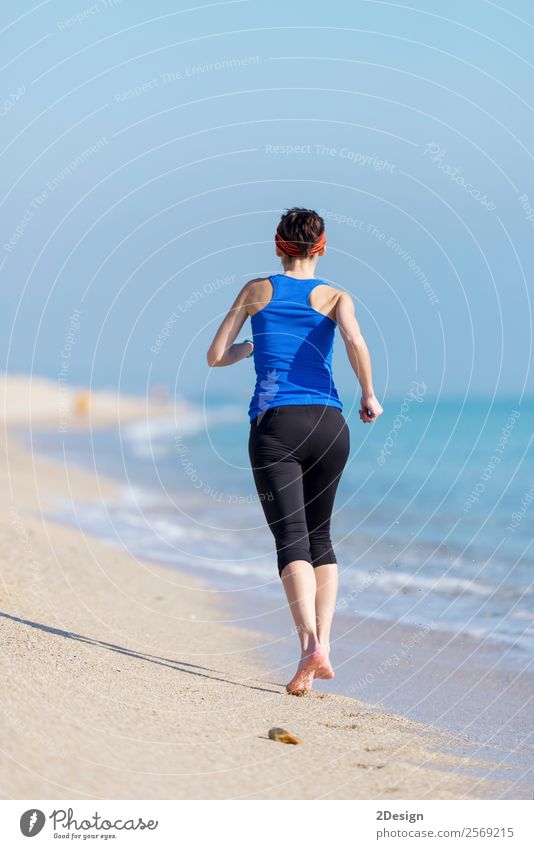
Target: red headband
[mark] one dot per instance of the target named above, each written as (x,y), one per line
(293,249)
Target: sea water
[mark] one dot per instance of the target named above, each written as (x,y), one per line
(432,522)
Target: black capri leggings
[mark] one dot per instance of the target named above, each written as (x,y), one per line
(298,453)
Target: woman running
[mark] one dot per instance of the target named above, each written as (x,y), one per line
(299,440)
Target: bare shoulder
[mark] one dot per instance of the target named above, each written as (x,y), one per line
(325,298)
(257,294)
(345,300)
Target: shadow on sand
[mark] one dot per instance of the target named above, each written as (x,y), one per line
(178,665)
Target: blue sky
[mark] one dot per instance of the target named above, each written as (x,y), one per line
(147,153)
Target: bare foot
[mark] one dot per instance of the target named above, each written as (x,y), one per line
(309,667)
(325,670)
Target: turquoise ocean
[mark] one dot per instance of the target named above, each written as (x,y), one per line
(432,524)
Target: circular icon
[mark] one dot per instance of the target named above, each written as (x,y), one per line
(31,822)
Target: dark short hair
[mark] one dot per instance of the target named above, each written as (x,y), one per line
(301,226)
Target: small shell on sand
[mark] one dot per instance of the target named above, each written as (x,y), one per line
(281,735)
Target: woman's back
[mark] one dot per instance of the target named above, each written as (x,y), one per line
(293,345)
(299,441)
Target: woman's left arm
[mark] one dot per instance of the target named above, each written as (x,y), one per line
(223,351)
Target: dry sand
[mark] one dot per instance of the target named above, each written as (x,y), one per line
(118,683)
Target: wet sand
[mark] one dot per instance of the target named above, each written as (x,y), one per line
(476,690)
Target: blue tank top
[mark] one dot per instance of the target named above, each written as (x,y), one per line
(293,345)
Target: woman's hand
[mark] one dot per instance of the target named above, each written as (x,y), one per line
(370,409)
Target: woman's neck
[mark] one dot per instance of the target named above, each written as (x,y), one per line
(303,269)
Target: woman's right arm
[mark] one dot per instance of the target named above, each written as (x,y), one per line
(358,355)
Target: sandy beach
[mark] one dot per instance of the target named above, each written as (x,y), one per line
(119,682)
